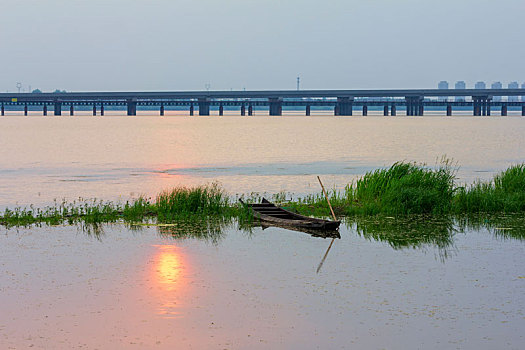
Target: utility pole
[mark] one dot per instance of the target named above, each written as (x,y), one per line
(298,82)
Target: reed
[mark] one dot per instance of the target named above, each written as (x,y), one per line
(400,190)
(404,188)
(183,201)
(505,193)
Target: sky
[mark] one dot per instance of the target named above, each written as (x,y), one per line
(154,45)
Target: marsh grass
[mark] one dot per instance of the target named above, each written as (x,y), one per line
(403,189)
(505,193)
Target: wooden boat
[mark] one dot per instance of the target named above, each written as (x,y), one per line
(270,213)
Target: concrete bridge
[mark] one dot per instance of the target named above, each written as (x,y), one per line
(343,102)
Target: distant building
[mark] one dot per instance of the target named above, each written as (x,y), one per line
(496,85)
(513,85)
(480,85)
(460,85)
(523,97)
(443,85)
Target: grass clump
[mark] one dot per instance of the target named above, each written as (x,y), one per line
(505,193)
(404,188)
(183,201)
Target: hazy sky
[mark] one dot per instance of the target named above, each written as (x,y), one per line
(255,44)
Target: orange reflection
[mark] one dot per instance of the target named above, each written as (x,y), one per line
(169,271)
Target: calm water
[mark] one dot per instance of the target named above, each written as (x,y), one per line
(384,285)
(42,159)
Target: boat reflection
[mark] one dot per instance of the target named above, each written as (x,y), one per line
(311,232)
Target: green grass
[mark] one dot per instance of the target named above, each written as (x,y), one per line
(505,194)
(404,189)
(182,201)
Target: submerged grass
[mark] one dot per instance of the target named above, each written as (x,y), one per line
(403,189)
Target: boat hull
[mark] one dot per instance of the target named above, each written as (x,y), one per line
(270,213)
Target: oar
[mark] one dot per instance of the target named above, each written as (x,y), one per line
(335,219)
(328,200)
(325,255)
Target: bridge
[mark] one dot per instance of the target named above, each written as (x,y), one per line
(343,102)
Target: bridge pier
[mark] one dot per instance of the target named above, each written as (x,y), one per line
(243,110)
(307,110)
(25,110)
(365,110)
(102,109)
(336,110)
(385,111)
(71,110)
(94,109)
(2,110)
(449,110)
(250,109)
(476,105)
(44,111)
(276,105)
(132,106)
(221,110)
(204,106)
(393,110)
(191,109)
(481,105)
(345,106)
(504,110)
(57,108)
(414,105)
(162,110)
(523,111)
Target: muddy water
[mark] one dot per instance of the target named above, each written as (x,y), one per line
(42,159)
(63,288)
(387,284)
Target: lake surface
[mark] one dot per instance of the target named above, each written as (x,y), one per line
(390,284)
(42,159)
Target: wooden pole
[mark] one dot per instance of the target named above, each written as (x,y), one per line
(325,255)
(328,200)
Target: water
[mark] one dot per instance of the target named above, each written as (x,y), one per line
(42,159)
(445,284)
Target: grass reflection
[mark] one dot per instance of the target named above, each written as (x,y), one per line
(407,232)
(428,231)
(401,232)
(510,226)
(208,229)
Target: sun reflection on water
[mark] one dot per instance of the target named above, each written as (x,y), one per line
(168,276)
